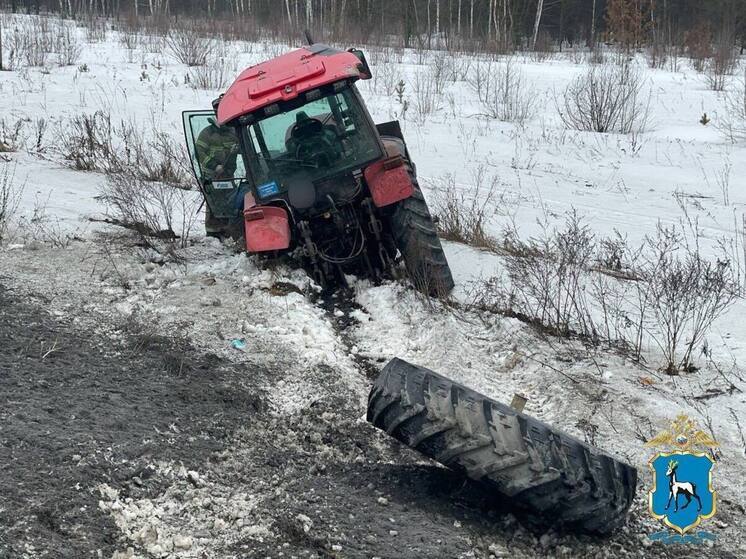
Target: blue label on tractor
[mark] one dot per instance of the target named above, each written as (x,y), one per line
(268,189)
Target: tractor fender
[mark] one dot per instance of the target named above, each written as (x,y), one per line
(388,179)
(266,228)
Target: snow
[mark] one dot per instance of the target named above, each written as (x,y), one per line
(217,515)
(625,183)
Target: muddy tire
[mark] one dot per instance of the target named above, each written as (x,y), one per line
(552,477)
(416,238)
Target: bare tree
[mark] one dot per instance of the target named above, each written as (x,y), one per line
(593,26)
(539,9)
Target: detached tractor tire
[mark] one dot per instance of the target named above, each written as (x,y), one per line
(552,477)
(416,238)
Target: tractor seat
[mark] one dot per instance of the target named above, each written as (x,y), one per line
(305,126)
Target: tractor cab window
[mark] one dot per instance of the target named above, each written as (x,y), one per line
(216,150)
(216,160)
(321,138)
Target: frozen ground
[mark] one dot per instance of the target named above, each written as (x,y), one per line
(302,473)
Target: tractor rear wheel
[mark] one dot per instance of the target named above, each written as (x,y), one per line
(416,238)
(555,478)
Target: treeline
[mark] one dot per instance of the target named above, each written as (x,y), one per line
(477,24)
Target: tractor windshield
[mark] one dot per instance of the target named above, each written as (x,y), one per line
(321,138)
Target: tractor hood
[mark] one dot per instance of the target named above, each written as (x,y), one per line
(285,77)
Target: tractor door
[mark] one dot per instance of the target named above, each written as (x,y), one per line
(216,161)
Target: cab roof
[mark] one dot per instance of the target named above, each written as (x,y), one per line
(285,77)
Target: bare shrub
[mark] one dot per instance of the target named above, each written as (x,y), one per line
(687,293)
(606,98)
(67,46)
(85,142)
(715,75)
(543,49)
(426,99)
(34,45)
(734,125)
(674,57)
(664,292)
(578,55)
(152,43)
(440,70)
(33,41)
(548,275)
(739,240)
(656,55)
(95,29)
(188,47)
(385,79)
(598,56)
(155,158)
(463,216)
(479,76)
(129,39)
(38,132)
(10,198)
(11,135)
(215,74)
(94,143)
(722,64)
(43,227)
(503,91)
(161,215)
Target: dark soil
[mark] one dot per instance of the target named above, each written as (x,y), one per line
(77,410)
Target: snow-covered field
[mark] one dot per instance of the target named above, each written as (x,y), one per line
(628,183)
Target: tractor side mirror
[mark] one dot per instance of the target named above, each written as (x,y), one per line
(362,66)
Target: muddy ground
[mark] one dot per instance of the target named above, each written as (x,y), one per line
(125,440)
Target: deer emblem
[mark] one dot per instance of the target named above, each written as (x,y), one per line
(676,488)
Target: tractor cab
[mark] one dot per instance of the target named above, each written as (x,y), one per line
(290,159)
(293,130)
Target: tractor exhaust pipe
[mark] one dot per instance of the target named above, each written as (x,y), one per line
(309,39)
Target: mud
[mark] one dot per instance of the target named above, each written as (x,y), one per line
(78,410)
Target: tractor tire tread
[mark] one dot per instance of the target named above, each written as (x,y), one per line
(416,237)
(553,477)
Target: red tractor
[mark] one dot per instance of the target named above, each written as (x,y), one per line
(291,159)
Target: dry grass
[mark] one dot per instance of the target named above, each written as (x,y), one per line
(463,215)
(10,198)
